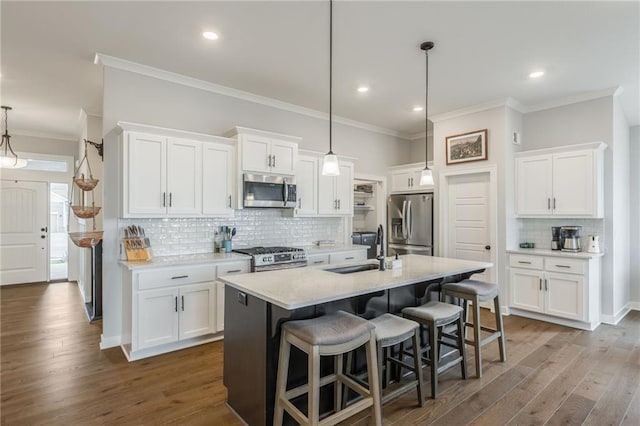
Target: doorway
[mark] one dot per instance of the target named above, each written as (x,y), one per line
(58,225)
(24,242)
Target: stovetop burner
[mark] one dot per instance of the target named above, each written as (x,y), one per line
(268,250)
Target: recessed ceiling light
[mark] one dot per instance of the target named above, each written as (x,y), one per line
(536,74)
(417,109)
(209,35)
(363,89)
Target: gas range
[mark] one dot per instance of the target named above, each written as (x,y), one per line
(272,258)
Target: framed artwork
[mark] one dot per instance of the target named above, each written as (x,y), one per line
(467,147)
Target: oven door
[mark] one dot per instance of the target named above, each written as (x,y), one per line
(269,191)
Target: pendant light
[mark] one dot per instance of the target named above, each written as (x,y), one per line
(9,161)
(426,177)
(330,165)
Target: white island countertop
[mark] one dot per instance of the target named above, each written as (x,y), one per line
(297,288)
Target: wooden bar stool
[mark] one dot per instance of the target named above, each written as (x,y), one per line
(475,292)
(392,330)
(329,335)
(436,316)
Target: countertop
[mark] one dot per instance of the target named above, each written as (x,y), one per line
(300,287)
(185,259)
(555,253)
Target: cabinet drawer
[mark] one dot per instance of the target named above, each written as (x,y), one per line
(524,261)
(317,259)
(175,276)
(559,264)
(230,268)
(348,256)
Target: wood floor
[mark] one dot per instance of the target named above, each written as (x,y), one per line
(53,373)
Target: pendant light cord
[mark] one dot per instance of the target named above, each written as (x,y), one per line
(330,75)
(426,111)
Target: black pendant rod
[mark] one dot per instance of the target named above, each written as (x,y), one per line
(426,46)
(330,74)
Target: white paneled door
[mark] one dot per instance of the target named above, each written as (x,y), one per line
(469,235)
(24,240)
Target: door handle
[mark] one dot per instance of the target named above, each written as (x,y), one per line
(487,247)
(43,236)
(44,229)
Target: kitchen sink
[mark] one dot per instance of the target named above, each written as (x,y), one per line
(354,268)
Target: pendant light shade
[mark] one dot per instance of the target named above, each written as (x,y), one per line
(426,177)
(330,166)
(8,158)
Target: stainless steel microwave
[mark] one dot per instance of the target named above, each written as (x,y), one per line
(269,191)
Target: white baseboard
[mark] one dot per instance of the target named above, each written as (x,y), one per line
(556,320)
(634,306)
(615,319)
(109,342)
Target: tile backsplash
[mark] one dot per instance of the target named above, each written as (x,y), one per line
(538,231)
(254,227)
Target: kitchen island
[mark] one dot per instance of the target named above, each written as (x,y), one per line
(256,306)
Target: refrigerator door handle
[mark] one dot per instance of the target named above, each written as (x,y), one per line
(409,219)
(404,220)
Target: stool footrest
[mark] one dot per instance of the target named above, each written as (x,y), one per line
(399,391)
(346,413)
(302,389)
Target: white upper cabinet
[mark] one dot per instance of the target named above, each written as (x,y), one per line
(266,152)
(217,178)
(406,178)
(170,173)
(307,186)
(335,193)
(561,182)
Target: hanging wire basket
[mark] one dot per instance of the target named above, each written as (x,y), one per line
(86,239)
(86,212)
(86,184)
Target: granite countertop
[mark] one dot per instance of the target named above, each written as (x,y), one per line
(555,253)
(185,259)
(300,287)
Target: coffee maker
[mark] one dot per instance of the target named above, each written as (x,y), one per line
(555,238)
(570,238)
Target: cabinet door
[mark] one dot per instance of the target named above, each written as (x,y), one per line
(219,306)
(307,186)
(401,181)
(157,317)
(283,157)
(184,177)
(348,256)
(344,189)
(574,184)
(526,289)
(145,182)
(217,179)
(564,295)
(255,154)
(197,310)
(327,200)
(534,186)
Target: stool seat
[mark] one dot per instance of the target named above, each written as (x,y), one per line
(437,312)
(334,329)
(480,288)
(392,329)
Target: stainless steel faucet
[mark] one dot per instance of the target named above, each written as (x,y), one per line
(381,257)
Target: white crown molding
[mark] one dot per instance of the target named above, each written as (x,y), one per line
(122,64)
(574,99)
(417,136)
(43,135)
(478,108)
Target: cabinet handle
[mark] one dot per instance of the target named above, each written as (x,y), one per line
(540,284)
(182,303)
(338,204)
(546,284)
(234,271)
(274,161)
(180,277)
(563,266)
(349,258)
(554,203)
(229,201)
(176,299)
(335,204)
(170,198)
(164,199)
(409,182)
(522,261)
(299,203)
(317,262)
(548,203)
(412,182)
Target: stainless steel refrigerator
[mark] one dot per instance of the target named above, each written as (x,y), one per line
(410,224)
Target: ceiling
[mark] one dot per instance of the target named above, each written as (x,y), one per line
(483,51)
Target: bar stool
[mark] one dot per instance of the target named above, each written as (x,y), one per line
(436,316)
(392,330)
(475,292)
(329,335)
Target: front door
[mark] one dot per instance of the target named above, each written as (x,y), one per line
(24,242)
(469,235)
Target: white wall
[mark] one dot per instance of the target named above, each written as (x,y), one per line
(140,99)
(634,160)
(43,145)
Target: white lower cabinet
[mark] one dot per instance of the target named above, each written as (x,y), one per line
(536,286)
(228,268)
(317,259)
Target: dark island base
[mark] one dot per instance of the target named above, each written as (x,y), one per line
(252,338)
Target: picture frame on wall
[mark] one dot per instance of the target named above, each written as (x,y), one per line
(466,147)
